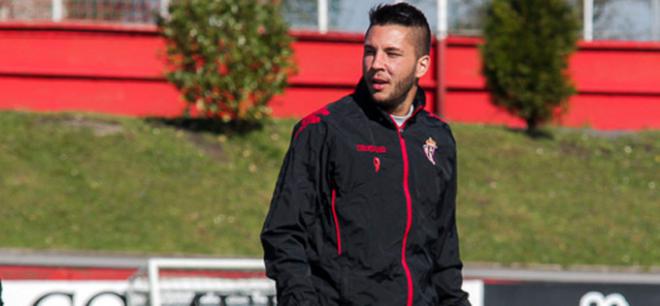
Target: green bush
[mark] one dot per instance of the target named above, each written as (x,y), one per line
(227,57)
(525,57)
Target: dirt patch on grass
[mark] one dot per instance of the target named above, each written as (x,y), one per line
(575,149)
(100,127)
(210,147)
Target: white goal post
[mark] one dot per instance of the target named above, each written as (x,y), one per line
(200,282)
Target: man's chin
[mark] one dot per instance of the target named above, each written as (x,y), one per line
(384,101)
(380,98)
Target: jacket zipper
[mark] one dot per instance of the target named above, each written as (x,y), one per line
(334,216)
(406,190)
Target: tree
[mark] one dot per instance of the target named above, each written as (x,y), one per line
(228,57)
(525,57)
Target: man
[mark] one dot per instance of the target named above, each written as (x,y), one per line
(363,212)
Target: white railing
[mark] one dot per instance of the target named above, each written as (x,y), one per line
(58,10)
(609,19)
(588,20)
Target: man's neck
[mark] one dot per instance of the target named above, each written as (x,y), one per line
(401,109)
(401,120)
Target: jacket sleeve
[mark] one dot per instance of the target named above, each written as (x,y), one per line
(447,276)
(284,234)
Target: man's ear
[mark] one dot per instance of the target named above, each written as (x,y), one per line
(422,66)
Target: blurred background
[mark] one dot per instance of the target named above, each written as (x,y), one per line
(632,20)
(111,195)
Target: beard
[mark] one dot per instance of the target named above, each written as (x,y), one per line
(400,91)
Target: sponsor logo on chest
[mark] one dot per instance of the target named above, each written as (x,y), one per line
(372,149)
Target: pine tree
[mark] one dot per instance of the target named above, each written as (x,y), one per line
(525,57)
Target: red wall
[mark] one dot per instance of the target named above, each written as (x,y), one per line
(119,70)
(618,86)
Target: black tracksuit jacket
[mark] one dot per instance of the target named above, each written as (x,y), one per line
(363,212)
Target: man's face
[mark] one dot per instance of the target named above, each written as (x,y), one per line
(390,64)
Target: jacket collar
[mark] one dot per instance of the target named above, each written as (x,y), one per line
(374,112)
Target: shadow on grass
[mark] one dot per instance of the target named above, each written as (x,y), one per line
(213,126)
(538,134)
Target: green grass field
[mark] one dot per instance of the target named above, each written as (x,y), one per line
(91,182)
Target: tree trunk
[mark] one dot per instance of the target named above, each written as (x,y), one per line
(532,126)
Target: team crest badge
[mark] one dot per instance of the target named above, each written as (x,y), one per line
(429,149)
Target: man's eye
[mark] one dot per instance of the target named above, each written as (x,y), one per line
(393,54)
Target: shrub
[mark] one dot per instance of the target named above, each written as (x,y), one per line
(525,57)
(227,57)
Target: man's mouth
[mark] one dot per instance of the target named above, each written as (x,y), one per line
(378,83)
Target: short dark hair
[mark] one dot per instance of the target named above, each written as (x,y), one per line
(402,14)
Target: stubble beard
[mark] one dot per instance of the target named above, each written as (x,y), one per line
(399,95)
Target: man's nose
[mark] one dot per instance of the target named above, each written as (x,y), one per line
(379,61)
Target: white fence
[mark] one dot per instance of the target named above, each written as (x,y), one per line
(121,11)
(601,19)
